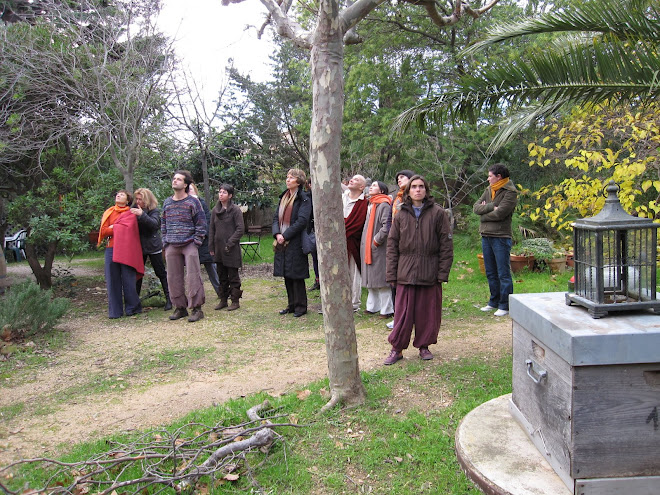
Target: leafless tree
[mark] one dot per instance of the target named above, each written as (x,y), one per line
(88,73)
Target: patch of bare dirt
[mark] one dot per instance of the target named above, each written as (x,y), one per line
(144,371)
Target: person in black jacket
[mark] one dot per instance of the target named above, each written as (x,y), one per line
(145,208)
(289,223)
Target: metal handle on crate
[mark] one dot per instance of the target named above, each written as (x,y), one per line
(542,374)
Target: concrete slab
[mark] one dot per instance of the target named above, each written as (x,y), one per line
(498,456)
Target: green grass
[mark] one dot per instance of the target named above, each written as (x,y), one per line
(400,441)
(11,411)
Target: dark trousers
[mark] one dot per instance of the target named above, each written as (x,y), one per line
(497,261)
(315,262)
(297,294)
(230,280)
(120,280)
(213,277)
(158,264)
(418,306)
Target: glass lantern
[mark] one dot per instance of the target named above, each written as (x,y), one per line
(615,260)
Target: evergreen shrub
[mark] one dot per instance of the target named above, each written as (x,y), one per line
(26,309)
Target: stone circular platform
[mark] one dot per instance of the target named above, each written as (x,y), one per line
(499,458)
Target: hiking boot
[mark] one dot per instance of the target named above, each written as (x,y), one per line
(425,354)
(179,313)
(197,314)
(393,357)
(235,296)
(222,304)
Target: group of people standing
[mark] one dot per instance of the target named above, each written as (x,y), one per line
(183,234)
(399,248)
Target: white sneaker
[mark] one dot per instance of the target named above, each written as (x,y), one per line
(501,312)
(390,325)
(487,307)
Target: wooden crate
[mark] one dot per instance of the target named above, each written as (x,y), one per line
(587,392)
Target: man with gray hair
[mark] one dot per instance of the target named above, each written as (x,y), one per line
(355,214)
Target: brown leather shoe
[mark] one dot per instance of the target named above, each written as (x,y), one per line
(425,354)
(222,304)
(197,314)
(234,305)
(179,313)
(393,357)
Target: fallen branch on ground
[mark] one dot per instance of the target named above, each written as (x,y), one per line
(176,459)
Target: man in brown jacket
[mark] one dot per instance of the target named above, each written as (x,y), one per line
(495,209)
(420,253)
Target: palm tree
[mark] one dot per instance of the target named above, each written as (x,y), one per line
(610,51)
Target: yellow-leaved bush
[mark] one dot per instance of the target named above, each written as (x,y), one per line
(596,144)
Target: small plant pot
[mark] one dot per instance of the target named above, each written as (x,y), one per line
(557,265)
(519,263)
(482,266)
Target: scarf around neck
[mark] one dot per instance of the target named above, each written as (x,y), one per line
(286,209)
(497,186)
(106,216)
(374,200)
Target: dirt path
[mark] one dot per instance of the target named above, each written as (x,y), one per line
(143,371)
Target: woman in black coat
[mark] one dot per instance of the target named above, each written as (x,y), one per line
(145,208)
(289,223)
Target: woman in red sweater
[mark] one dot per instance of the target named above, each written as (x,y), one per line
(123,257)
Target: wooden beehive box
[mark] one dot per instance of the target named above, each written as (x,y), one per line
(587,391)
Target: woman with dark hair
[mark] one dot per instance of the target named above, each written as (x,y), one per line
(373,251)
(225,231)
(145,208)
(420,253)
(289,222)
(123,257)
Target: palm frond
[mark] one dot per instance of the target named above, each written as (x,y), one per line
(612,17)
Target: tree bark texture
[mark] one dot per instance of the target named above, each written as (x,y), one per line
(3,271)
(327,60)
(42,274)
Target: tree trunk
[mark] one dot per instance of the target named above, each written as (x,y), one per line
(205,177)
(327,58)
(3,271)
(44,275)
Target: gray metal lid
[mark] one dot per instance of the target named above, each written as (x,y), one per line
(569,331)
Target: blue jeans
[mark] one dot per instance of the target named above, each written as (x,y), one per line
(497,252)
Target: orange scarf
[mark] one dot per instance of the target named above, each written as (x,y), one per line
(497,186)
(106,218)
(374,200)
(398,201)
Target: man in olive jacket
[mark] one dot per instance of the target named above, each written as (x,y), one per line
(495,209)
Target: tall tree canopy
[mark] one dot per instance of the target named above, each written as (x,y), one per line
(611,52)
